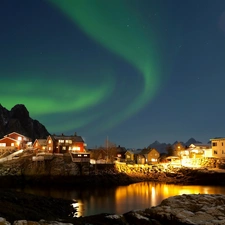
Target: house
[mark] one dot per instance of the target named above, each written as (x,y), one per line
(145,156)
(218,147)
(148,156)
(120,153)
(131,157)
(40,145)
(65,144)
(14,141)
(197,150)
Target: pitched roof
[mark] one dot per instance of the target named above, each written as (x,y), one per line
(146,151)
(74,138)
(200,145)
(17,134)
(42,141)
(12,139)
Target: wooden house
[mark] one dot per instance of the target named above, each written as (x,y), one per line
(40,145)
(148,156)
(197,150)
(120,154)
(65,144)
(7,143)
(131,157)
(15,141)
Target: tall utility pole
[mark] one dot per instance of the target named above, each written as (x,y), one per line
(107,146)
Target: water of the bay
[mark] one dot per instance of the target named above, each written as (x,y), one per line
(121,199)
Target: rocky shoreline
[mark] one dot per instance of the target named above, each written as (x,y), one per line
(16,206)
(196,209)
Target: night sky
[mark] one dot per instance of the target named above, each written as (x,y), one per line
(133,70)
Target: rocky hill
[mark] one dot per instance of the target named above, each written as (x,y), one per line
(18,120)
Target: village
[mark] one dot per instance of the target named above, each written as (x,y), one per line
(13,145)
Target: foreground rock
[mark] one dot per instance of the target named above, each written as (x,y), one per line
(19,206)
(195,209)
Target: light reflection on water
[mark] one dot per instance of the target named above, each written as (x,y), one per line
(121,199)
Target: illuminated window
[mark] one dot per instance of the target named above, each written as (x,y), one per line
(61,141)
(67,141)
(64,148)
(49,148)
(76,148)
(19,138)
(2,144)
(36,144)
(49,141)
(12,144)
(70,148)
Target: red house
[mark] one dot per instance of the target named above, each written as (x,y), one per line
(65,144)
(14,140)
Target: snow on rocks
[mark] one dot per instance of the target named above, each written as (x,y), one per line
(191,209)
(3,221)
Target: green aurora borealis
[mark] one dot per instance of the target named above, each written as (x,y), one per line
(133,70)
(117,27)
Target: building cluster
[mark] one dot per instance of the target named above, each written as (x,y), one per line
(216,149)
(75,145)
(53,144)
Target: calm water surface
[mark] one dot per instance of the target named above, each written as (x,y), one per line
(121,199)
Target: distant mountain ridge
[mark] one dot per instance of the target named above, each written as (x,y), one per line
(162,147)
(18,120)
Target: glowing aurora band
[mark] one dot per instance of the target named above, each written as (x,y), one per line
(106,22)
(47,104)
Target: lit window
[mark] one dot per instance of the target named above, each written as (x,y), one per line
(49,141)
(64,148)
(85,155)
(79,155)
(12,144)
(67,141)
(70,148)
(49,148)
(76,148)
(19,138)
(36,144)
(2,144)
